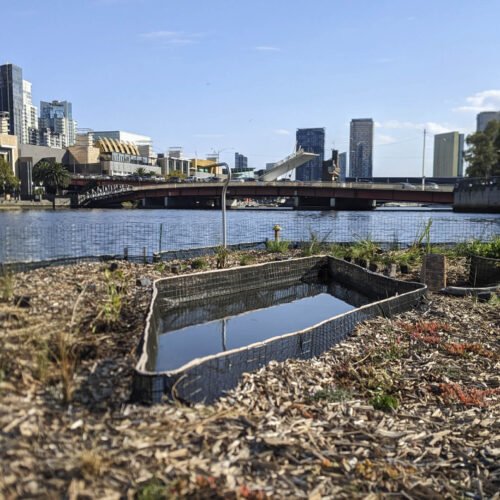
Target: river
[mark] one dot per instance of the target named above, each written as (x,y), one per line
(45,234)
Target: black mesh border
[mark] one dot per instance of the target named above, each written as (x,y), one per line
(206,379)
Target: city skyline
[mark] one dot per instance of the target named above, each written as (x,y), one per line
(192,61)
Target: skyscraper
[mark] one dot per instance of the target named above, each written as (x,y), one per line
(30,118)
(11,97)
(361,148)
(240,161)
(311,140)
(485,117)
(448,155)
(343,166)
(57,116)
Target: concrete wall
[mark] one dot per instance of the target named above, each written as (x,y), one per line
(477,198)
(38,153)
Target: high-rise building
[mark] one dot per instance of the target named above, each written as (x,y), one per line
(448,155)
(56,120)
(240,161)
(361,148)
(270,165)
(11,97)
(30,117)
(311,140)
(342,166)
(485,117)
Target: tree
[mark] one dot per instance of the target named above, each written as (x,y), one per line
(483,154)
(53,176)
(141,172)
(176,173)
(8,181)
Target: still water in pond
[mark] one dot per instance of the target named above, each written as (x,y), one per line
(238,320)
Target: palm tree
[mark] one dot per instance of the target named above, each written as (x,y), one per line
(53,176)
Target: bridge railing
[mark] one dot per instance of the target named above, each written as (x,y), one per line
(104,192)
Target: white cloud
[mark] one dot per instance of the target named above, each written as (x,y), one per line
(384,139)
(431,127)
(282,131)
(266,48)
(487,100)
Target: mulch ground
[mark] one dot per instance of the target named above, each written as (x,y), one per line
(406,407)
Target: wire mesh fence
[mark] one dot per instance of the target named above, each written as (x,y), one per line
(142,239)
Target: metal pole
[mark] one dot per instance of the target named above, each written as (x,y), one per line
(423,164)
(223,199)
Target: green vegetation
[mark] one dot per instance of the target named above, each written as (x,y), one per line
(384,402)
(273,246)
(246,259)
(490,248)
(331,395)
(199,264)
(110,310)
(130,204)
(314,246)
(8,181)
(53,176)
(153,489)
(176,173)
(7,286)
(161,266)
(222,254)
(483,155)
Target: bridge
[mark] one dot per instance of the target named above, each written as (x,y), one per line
(322,195)
(291,162)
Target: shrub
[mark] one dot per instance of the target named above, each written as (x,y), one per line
(246,259)
(384,402)
(199,264)
(273,246)
(222,254)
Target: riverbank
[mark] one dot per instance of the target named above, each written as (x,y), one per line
(300,429)
(33,205)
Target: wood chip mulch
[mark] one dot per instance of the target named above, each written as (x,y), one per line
(407,407)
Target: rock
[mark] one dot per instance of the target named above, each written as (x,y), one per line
(113,266)
(143,282)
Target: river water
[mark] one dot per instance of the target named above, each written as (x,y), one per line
(46,234)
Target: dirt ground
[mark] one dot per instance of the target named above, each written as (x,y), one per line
(406,407)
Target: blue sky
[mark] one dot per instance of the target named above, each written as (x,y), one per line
(243,75)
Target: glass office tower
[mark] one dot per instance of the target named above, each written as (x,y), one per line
(311,140)
(11,97)
(361,148)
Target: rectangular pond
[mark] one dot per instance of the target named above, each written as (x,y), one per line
(204,330)
(197,330)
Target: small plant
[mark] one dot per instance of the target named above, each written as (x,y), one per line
(161,266)
(153,489)
(337,250)
(222,254)
(199,264)
(476,246)
(384,402)
(273,246)
(66,362)
(7,286)
(246,259)
(314,246)
(332,395)
(110,310)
